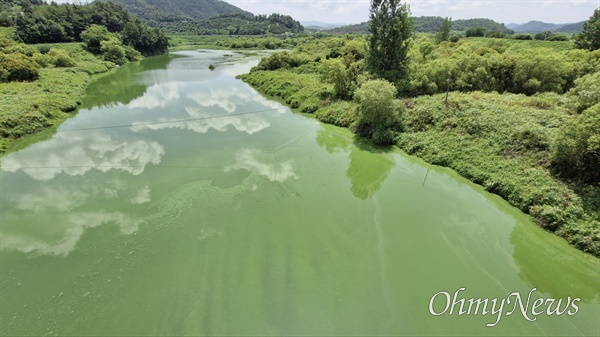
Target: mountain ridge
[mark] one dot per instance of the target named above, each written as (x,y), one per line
(155,12)
(540,26)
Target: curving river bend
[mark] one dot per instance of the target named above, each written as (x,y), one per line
(179,201)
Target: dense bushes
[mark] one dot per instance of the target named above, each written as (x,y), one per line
(17,67)
(283,60)
(98,39)
(577,150)
(490,66)
(17,62)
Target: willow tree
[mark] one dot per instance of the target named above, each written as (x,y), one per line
(391,28)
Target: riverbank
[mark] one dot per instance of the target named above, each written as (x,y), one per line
(500,141)
(30,107)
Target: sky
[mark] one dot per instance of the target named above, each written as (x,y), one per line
(356,11)
(503,11)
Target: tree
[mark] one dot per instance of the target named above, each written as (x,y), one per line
(377,109)
(545,35)
(444,32)
(391,28)
(475,32)
(589,38)
(334,71)
(577,148)
(93,37)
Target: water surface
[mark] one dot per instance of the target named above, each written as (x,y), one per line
(179,201)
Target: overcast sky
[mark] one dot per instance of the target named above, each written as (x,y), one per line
(355,11)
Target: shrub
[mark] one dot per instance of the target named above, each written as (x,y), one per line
(523,37)
(60,58)
(15,67)
(113,51)
(43,49)
(93,37)
(475,32)
(586,91)
(543,35)
(558,38)
(377,107)
(577,149)
(132,54)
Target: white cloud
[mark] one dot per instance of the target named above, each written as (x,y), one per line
(263,164)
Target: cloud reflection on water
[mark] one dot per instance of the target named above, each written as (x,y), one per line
(263,164)
(51,219)
(82,152)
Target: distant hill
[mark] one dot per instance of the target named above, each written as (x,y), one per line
(159,11)
(535,27)
(359,28)
(571,28)
(539,26)
(428,24)
(235,24)
(320,24)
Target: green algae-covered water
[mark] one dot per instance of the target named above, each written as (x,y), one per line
(179,201)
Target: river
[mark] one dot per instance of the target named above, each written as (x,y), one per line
(179,201)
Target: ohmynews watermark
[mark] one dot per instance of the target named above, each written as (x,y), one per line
(498,307)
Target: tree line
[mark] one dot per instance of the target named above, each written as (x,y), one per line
(236,24)
(39,22)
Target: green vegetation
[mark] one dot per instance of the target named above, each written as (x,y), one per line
(52,23)
(234,42)
(444,33)
(590,37)
(391,31)
(511,122)
(236,24)
(40,85)
(427,24)
(155,12)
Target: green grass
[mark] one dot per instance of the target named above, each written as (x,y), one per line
(30,107)
(6,32)
(503,142)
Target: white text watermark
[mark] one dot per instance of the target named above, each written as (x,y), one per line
(444,303)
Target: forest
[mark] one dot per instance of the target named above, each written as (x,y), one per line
(236,24)
(155,12)
(430,24)
(521,118)
(53,23)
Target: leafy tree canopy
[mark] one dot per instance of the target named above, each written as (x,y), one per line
(391,30)
(40,22)
(590,37)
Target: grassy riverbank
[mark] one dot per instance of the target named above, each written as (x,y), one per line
(502,141)
(29,107)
